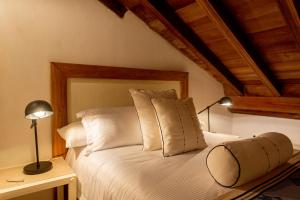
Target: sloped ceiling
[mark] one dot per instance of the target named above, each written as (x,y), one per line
(251,46)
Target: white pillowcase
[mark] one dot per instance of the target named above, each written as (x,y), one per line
(105,130)
(74,134)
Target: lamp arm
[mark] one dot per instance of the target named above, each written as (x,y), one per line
(208,107)
(34,125)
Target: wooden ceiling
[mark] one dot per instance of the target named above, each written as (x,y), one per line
(251,46)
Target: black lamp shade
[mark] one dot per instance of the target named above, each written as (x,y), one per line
(38,109)
(225,101)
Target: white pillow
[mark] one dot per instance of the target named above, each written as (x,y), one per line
(74,134)
(112,129)
(216,138)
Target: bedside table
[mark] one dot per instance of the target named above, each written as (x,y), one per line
(14,183)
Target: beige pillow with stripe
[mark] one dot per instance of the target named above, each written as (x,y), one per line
(179,126)
(235,163)
(147,117)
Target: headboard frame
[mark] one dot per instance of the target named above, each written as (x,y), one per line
(61,72)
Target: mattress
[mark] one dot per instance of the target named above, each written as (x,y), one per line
(132,174)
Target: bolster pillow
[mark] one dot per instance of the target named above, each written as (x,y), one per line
(235,163)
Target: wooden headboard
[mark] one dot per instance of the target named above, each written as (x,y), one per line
(61,72)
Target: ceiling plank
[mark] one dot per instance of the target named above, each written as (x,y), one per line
(287,107)
(290,10)
(164,12)
(115,6)
(216,11)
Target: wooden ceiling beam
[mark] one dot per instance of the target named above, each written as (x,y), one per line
(218,13)
(115,6)
(291,13)
(266,113)
(164,12)
(286,107)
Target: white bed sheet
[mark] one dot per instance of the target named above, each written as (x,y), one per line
(131,174)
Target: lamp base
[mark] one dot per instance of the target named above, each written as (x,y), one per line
(33,169)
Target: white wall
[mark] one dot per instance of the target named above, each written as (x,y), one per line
(34,33)
(248,125)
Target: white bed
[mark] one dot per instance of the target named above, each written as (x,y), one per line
(129,173)
(125,172)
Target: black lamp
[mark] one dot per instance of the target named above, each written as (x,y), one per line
(37,110)
(224,101)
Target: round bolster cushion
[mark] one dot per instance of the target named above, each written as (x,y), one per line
(235,163)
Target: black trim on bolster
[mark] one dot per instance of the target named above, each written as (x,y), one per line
(222,145)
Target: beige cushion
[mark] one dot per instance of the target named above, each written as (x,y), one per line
(179,126)
(237,162)
(147,117)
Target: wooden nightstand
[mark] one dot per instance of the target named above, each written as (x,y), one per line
(61,174)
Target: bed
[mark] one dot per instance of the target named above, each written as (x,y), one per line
(128,172)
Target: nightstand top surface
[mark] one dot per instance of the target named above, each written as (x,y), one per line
(12,179)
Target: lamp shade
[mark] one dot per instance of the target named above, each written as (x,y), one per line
(38,109)
(225,101)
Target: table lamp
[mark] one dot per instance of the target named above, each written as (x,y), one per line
(224,101)
(37,110)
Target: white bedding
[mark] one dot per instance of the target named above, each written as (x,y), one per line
(131,174)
